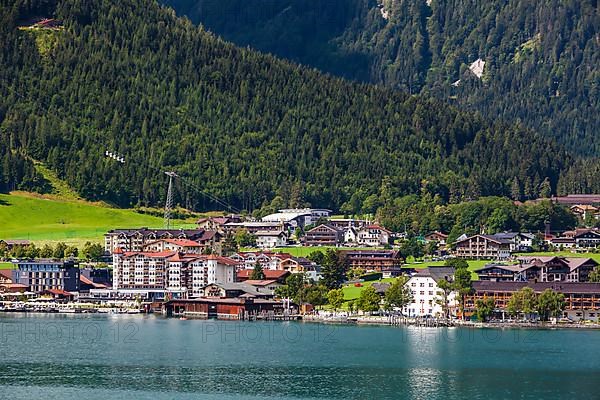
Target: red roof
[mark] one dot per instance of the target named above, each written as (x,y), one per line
(222,260)
(270,274)
(183,242)
(87,281)
(6,273)
(208,235)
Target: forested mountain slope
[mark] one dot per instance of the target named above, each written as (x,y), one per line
(128,76)
(542,58)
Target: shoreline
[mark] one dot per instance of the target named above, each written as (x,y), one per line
(353,320)
(378,321)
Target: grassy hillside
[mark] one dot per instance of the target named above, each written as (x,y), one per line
(41,219)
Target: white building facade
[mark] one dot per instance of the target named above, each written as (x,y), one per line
(427,296)
(177,274)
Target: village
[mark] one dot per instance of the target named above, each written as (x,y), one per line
(230,267)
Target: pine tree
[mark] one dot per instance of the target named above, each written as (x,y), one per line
(257,273)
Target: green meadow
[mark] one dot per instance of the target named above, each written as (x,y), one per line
(48,220)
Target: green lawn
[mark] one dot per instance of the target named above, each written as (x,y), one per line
(352,292)
(6,265)
(43,220)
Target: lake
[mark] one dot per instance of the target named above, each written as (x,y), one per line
(150,357)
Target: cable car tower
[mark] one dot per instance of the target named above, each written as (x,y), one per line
(169,202)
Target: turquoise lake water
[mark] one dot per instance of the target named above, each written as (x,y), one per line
(148,357)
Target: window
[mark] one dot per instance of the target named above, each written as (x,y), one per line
(430,284)
(431,292)
(413,284)
(422,292)
(422,284)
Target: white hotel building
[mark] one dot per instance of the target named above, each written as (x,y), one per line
(427,296)
(157,274)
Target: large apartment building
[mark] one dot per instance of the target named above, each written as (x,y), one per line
(324,235)
(483,246)
(582,300)
(373,260)
(47,275)
(178,274)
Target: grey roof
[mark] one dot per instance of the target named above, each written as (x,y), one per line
(511,268)
(381,288)
(500,238)
(437,273)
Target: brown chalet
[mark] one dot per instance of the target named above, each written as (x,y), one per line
(582,300)
(437,237)
(324,235)
(482,246)
(373,260)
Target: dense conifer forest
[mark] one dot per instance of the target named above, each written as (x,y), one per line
(129,76)
(542,58)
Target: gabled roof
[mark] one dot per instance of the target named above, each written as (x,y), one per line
(585,207)
(260,282)
(509,268)
(208,235)
(576,262)
(436,273)
(216,220)
(381,288)
(492,238)
(6,273)
(437,233)
(270,274)
(580,233)
(330,227)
